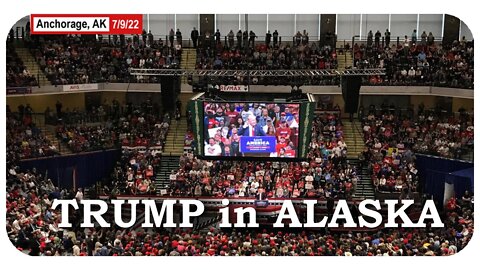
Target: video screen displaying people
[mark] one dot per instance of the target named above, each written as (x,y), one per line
(251,129)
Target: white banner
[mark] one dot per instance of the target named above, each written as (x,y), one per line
(80,87)
(233,88)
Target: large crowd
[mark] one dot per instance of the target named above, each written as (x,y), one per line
(24,139)
(110,125)
(419,62)
(80,59)
(141,135)
(76,59)
(141,155)
(32,228)
(392,139)
(17,73)
(270,54)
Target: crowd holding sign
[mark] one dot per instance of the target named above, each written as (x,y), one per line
(251,129)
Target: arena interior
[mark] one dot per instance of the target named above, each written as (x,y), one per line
(257,108)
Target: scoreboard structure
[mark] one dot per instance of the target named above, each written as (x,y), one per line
(252,126)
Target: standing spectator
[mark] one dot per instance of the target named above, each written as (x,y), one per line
(268,38)
(239,39)
(406,42)
(122,40)
(231,39)
(136,39)
(387,38)
(245,39)
(217,36)
(298,38)
(58,106)
(305,38)
(207,40)
(430,39)
(79,195)
(144,37)
(275,38)
(369,39)
(28,110)
(21,110)
(194,36)
(414,36)
(150,38)
(179,36)
(424,38)
(378,35)
(252,39)
(171,37)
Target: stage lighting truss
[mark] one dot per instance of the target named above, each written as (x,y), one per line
(257,73)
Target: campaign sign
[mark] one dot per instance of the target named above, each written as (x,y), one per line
(261,203)
(257,144)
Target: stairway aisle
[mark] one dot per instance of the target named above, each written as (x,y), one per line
(365,189)
(344,60)
(49,133)
(189,60)
(172,151)
(32,66)
(176,138)
(162,177)
(353,138)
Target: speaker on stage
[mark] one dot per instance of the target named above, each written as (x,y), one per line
(170,91)
(351,92)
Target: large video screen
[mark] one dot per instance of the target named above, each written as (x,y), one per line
(251,129)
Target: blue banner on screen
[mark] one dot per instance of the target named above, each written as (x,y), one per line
(257,144)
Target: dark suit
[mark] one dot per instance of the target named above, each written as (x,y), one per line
(258,131)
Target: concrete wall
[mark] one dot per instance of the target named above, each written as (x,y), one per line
(458,103)
(40,102)
(110,96)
